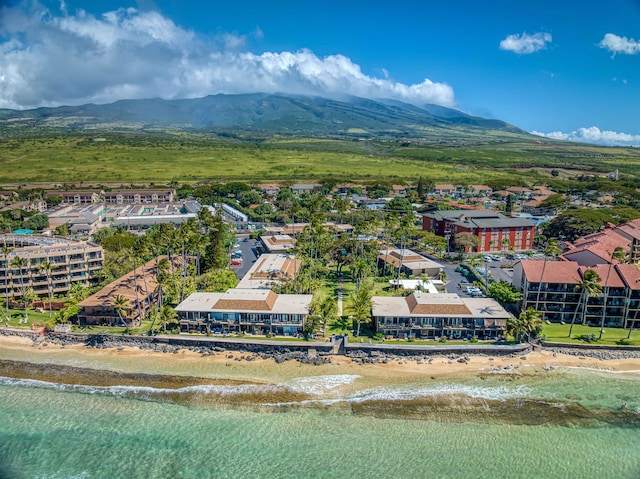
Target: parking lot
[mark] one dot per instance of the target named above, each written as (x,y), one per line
(249,252)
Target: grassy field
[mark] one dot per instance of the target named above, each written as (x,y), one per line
(125,159)
(556,332)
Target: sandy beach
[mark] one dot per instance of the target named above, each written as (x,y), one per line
(234,365)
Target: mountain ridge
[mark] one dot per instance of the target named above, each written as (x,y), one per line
(264,112)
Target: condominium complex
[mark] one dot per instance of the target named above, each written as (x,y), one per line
(494,231)
(432,316)
(71,262)
(255,311)
(138,289)
(555,288)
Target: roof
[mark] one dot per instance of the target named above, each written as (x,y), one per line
(479,218)
(630,229)
(410,259)
(630,274)
(609,277)
(561,272)
(268,269)
(247,300)
(444,305)
(601,244)
(145,281)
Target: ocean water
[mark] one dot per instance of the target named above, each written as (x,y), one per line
(564,423)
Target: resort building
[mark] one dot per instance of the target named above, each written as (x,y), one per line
(141,217)
(71,262)
(495,231)
(254,311)
(631,231)
(268,270)
(596,248)
(77,197)
(432,316)
(555,289)
(409,261)
(140,290)
(158,195)
(83,219)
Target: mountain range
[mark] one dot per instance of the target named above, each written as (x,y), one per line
(263,113)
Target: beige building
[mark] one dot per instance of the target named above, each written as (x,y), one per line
(255,311)
(71,261)
(277,243)
(268,270)
(412,262)
(432,316)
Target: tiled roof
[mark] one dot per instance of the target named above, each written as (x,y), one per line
(561,272)
(607,275)
(630,274)
(601,244)
(631,228)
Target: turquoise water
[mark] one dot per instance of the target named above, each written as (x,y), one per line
(50,431)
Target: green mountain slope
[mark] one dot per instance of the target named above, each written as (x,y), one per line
(264,114)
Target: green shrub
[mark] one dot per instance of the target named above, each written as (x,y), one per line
(443,339)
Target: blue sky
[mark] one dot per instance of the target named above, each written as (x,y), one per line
(568,69)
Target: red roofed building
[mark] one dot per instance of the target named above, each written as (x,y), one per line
(596,248)
(631,231)
(554,288)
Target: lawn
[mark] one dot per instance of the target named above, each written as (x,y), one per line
(556,332)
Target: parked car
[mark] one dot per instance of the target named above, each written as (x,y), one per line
(236,261)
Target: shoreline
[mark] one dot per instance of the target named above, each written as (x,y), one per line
(242,365)
(473,388)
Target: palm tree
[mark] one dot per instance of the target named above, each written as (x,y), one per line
(5,254)
(618,255)
(504,244)
(361,302)
(120,305)
(20,263)
(551,250)
(329,308)
(46,268)
(590,288)
(466,240)
(529,323)
(359,270)
(515,327)
(167,315)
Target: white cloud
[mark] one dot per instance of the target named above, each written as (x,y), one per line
(47,59)
(594,135)
(525,44)
(616,44)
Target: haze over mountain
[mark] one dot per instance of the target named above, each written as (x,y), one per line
(264,114)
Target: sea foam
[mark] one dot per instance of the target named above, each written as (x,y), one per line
(500,393)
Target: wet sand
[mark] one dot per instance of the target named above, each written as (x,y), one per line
(234,365)
(234,379)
